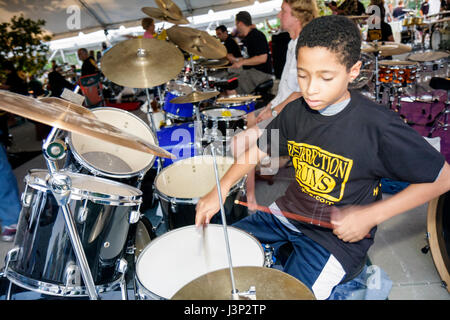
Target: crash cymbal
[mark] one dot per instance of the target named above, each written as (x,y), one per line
(428,56)
(170,9)
(385,48)
(195,96)
(197,42)
(270,284)
(82,111)
(142,63)
(74,119)
(158,14)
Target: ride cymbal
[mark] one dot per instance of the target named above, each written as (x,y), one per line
(385,48)
(158,14)
(197,42)
(269,284)
(170,9)
(74,119)
(142,63)
(195,96)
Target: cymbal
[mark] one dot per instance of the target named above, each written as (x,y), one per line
(170,9)
(195,96)
(197,42)
(74,119)
(214,63)
(428,56)
(82,111)
(142,63)
(158,14)
(385,48)
(270,284)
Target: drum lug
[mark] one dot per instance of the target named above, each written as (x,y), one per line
(135,215)
(10,256)
(72,275)
(83,213)
(26,198)
(122,266)
(268,256)
(173,205)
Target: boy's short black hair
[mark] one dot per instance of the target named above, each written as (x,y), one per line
(244,17)
(222,28)
(336,33)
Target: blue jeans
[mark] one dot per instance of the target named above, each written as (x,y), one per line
(308,262)
(10,205)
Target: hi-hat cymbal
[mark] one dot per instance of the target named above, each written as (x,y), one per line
(142,63)
(74,119)
(195,96)
(214,63)
(428,56)
(385,48)
(158,14)
(170,9)
(197,42)
(270,284)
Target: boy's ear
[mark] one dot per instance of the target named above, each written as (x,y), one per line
(354,70)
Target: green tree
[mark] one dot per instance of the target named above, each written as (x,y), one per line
(23,41)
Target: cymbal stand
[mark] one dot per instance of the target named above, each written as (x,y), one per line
(234,292)
(152,120)
(377,80)
(60,186)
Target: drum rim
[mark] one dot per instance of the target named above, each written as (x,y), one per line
(78,194)
(223,118)
(194,200)
(165,235)
(441,262)
(99,172)
(57,289)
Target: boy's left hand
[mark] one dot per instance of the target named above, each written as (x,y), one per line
(352,224)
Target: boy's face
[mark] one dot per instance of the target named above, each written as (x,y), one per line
(322,78)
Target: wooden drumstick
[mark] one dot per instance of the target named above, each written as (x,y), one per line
(293,216)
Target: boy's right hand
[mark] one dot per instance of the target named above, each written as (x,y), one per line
(208,206)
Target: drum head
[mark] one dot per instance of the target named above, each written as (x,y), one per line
(396,63)
(110,159)
(192,177)
(438,227)
(89,187)
(174,259)
(224,114)
(179,87)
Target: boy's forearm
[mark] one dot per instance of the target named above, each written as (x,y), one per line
(411,197)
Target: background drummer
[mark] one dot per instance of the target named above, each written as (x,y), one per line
(337,125)
(293,16)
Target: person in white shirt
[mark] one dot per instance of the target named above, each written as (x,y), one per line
(293,16)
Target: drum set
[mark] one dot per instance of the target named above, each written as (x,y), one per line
(81,233)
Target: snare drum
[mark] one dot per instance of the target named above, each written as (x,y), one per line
(43,260)
(438,227)
(247,106)
(105,159)
(180,186)
(182,111)
(220,124)
(397,72)
(179,140)
(176,258)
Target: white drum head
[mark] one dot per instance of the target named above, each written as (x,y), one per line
(176,258)
(224,113)
(192,177)
(110,158)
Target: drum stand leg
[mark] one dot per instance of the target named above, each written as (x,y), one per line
(60,186)
(152,121)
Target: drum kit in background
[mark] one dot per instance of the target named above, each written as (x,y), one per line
(81,232)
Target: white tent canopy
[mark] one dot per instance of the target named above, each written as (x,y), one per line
(67,18)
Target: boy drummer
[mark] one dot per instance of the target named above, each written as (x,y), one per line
(341,145)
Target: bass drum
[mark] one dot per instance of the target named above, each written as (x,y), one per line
(438,227)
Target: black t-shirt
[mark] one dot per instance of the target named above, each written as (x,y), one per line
(232,47)
(398,12)
(89,67)
(16,84)
(256,44)
(339,160)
